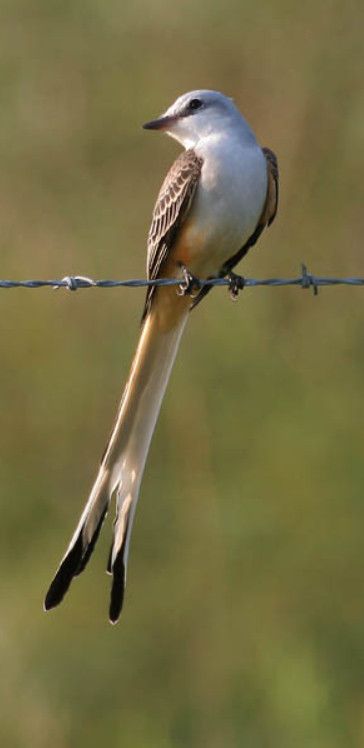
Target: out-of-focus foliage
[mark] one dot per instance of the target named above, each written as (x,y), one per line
(244,617)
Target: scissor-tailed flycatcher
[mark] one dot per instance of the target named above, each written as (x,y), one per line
(213,205)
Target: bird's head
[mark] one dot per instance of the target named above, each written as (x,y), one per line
(196,115)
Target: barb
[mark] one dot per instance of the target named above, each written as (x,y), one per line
(305,280)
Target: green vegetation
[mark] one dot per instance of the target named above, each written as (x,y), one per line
(244,615)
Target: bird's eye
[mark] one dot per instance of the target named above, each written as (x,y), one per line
(194,104)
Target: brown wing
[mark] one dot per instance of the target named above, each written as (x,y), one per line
(173,203)
(269,213)
(271,203)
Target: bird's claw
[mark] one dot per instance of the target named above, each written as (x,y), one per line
(188,284)
(236,284)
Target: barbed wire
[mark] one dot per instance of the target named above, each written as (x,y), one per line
(305,280)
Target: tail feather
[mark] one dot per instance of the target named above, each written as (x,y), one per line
(118,558)
(87,554)
(125,456)
(118,586)
(109,560)
(63,578)
(83,541)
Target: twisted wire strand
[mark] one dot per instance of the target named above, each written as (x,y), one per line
(305,280)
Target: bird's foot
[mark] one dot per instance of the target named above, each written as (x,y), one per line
(236,284)
(189,284)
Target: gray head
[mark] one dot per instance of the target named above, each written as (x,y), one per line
(197,115)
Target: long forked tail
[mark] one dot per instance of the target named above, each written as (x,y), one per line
(122,466)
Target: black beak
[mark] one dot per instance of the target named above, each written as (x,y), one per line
(162,123)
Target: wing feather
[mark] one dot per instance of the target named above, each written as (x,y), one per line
(271,204)
(173,204)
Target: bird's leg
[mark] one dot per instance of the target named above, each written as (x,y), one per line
(236,284)
(189,284)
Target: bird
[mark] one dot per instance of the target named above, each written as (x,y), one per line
(217,198)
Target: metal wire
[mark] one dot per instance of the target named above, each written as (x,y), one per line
(305,280)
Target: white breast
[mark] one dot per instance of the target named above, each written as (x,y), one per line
(229,201)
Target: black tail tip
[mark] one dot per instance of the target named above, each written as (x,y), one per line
(72,565)
(56,593)
(117,588)
(63,578)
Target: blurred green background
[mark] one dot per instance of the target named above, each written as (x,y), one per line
(244,617)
